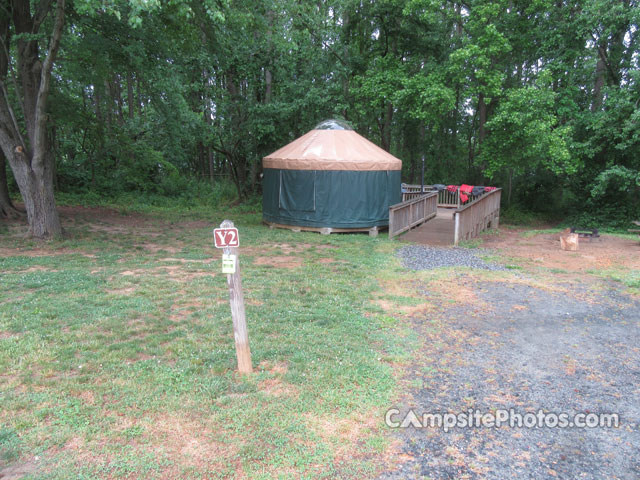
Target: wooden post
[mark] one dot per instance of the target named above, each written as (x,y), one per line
(236,299)
(456,232)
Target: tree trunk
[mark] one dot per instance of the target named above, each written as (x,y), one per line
(211,159)
(130,101)
(385,127)
(117,97)
(108,111)
(139,93)
(200,160)
(100,140)
(412,168)
(471,143)
(482,118)
(598,85)
(7,210)
(268,82)
(454,126)
(36,187)
(32,162)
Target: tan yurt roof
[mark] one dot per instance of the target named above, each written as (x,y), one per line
(332,150)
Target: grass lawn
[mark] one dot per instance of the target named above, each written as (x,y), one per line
(117,356)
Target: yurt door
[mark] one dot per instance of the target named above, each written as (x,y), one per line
(298,190)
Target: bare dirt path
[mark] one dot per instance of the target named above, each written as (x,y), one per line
(569,348)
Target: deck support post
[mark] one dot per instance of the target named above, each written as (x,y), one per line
(456,232)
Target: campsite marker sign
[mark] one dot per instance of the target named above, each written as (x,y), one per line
(226,237)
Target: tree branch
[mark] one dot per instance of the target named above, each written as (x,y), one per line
(324,44)
(602,53)
(43,91)
(42,10)
(14,122)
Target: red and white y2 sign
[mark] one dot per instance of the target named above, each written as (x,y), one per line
(226,237)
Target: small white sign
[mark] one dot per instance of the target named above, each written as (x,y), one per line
(229,263)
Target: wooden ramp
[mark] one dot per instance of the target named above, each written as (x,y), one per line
(437,231)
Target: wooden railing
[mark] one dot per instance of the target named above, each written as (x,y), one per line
(410,192)
(478,215)
(449,199)
(411,213)
(446,198)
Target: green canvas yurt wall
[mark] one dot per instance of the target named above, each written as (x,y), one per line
(330,178)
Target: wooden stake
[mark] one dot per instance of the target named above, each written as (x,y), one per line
(236,299)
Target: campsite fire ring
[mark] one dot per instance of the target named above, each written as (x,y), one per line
(586,233)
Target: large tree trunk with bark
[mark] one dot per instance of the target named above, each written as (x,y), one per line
(36,187)
(6,206)
(31,161)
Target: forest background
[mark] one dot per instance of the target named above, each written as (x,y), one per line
(149,101)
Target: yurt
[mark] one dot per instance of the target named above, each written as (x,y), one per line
(330,179)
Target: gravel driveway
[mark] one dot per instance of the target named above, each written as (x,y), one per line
(572,348)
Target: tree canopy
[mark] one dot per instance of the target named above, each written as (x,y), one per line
(539,96)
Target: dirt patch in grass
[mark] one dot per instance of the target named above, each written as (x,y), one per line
(343,433)
(38,252)
(186,444)
(20,470)
(461,293)
(123,291)
(185,276)
(276,368)
(134,273)
(183,310)
(277,388)
(186,261)
(38,268)
(287,248)
(391,295)
(275,385)
(325,246)
(544,250)
(88,397)
(191,443)
(176,272)
(279,262)
(111,229)
(326,260)
(400,287)
(101,214)
(155,248)
(192,225)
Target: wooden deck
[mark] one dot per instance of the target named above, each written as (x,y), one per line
(437,231)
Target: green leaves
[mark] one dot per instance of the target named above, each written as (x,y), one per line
(135,11)
(616,180)
(477,63)
(426,97)
(524,134)
(147,91)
